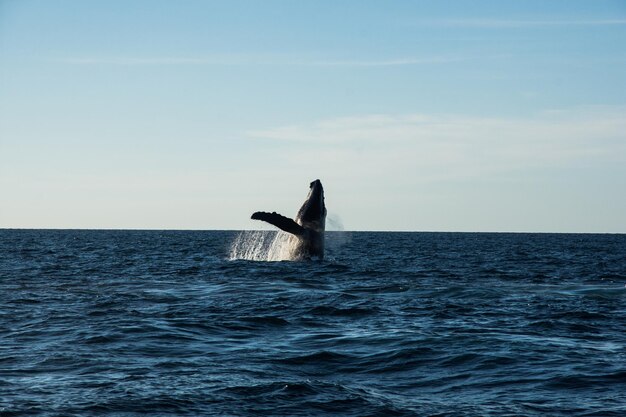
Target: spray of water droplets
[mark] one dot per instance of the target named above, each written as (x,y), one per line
(263,246)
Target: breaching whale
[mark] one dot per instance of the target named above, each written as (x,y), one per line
(308,227)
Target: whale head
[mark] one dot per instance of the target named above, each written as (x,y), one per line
(313,212)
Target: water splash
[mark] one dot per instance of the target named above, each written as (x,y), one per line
(263,245)
(333,222)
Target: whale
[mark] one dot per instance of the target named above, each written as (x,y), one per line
(307,229)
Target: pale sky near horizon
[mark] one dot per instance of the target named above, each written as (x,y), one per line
(416,115)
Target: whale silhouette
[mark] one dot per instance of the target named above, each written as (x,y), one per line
(308,227)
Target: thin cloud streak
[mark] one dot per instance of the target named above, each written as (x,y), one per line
(512,24)
(387,63)
(257,61)
(147,61)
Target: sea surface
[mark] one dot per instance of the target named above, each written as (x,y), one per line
(175,323)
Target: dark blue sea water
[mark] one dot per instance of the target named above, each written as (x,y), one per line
(127,323)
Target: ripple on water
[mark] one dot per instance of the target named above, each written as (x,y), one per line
(163,323)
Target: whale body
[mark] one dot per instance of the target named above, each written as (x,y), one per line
(307,229)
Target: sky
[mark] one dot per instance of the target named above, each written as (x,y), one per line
(506,116)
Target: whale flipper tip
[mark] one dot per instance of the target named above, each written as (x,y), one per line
(283,223)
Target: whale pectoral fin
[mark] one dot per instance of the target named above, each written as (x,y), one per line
(283,223)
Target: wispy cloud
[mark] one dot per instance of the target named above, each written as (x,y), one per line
(149,61)
(512,23)
(386,62)
(448,146)
(241,60)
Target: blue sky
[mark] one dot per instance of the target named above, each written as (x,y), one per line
(416,115)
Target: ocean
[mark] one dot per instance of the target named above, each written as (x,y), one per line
(176,323)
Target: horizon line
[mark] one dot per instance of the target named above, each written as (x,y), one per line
(271,230)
